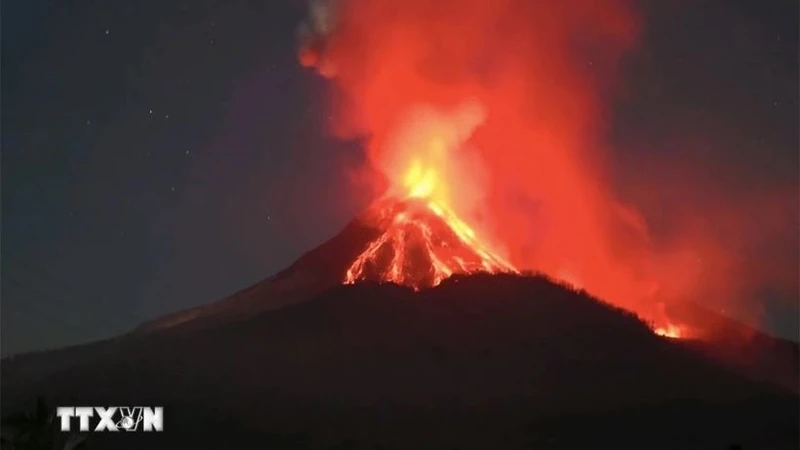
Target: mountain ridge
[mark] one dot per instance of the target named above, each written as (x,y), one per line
(476,347)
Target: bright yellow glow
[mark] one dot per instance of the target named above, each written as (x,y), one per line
(669,331)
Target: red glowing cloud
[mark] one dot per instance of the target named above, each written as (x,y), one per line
(518,91)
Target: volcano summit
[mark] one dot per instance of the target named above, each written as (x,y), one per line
(420,243)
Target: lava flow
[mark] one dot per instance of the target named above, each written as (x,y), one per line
(422,241)
(669,331)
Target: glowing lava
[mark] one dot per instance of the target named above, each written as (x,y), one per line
(423,241)
(669,331)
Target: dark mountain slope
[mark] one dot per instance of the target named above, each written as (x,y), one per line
(744,349)
(314,272)
(475,361)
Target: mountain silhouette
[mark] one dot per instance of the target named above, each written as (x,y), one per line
(476,361)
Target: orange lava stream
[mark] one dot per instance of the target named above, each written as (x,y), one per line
(422,244)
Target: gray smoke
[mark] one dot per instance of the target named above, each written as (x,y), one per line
(313,33)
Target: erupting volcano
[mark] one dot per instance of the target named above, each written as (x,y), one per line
(487,133)
(422,244)
(422,237)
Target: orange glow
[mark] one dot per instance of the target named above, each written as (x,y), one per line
(423,240)
(669,331)
(497,144)
(491,115)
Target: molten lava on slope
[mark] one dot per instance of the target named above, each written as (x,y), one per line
(421,244)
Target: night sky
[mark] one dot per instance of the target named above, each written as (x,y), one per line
(158,155)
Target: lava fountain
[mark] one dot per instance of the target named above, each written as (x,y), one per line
(423,239)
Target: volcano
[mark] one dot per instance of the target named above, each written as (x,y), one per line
(419,244)
(404,331)
(484,359)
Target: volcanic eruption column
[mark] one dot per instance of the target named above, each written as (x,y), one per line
(487,113)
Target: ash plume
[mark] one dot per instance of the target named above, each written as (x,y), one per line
(542,184)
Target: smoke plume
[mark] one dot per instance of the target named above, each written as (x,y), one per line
(520,91)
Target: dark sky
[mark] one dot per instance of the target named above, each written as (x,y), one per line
(158,155)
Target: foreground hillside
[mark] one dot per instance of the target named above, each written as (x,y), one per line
(478,362)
